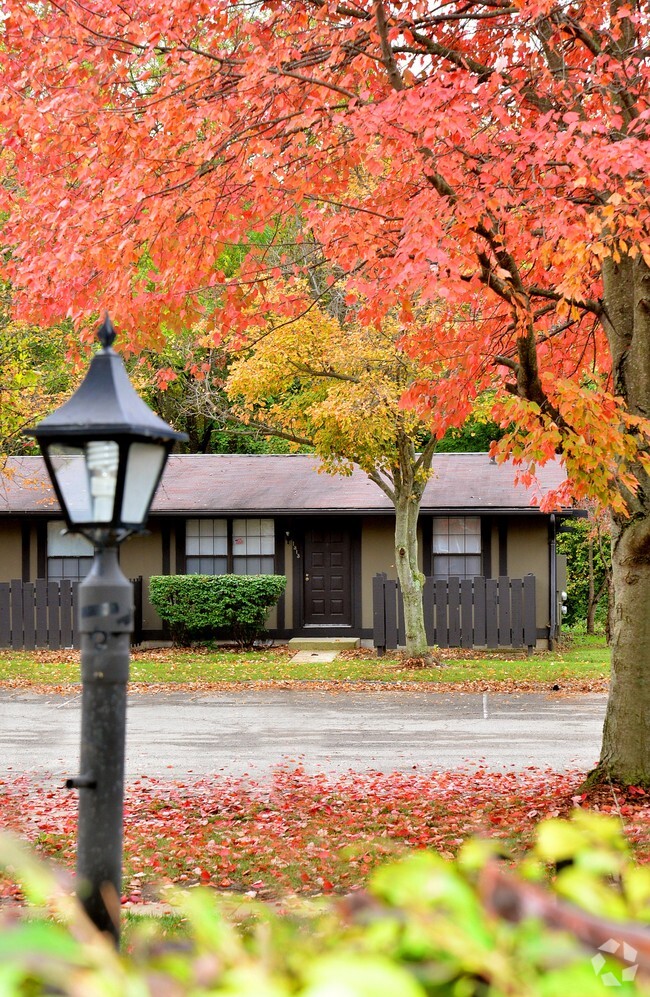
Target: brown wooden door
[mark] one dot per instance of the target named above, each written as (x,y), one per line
(327,578)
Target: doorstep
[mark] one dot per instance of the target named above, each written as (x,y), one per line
(335,644)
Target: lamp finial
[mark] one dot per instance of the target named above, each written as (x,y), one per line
(106,332)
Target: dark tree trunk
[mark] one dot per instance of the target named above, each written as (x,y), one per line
(625,753)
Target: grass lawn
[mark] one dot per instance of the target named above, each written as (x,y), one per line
(582,662)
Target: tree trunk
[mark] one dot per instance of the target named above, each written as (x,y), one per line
(625,755)
(411,579)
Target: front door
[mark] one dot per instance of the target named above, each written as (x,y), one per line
(328,577)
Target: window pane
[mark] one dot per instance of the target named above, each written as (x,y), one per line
(441,566)
(246,565)
(206,565)
(252,545)
(473,567)
(192,545)
(268,565)
(268,545)
(267,528)
(456,566)
(455,544)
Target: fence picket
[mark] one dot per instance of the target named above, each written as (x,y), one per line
(479,613)
(29,628)
(440,600)
(65,606)
(505,633)
(40,589)
(428,606)
(453,604)
(390,588)
(466,612)
(5,619)
(16,595)
(530,624)
(517,603)
(491,609)
(379,613)
(53,617)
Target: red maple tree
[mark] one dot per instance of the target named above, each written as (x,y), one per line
(488,156)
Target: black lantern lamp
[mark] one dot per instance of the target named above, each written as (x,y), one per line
(105,450)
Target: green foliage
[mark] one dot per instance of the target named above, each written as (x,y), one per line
(201,606)
(475,436)
(423,929)
(33,378)
(575,545)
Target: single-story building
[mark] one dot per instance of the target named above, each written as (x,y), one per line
(329,534)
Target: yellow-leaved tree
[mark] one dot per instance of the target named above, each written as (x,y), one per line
(336,387)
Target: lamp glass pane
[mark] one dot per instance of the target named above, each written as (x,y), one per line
(69,469)
(144,464)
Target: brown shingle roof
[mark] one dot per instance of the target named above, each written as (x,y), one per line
(291,484)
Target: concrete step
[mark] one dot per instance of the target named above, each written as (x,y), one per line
(323,643)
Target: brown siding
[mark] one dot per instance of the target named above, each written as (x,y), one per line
(143,556)
(377,554)
(11,552)
(528,553)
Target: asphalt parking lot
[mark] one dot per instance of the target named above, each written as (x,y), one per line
(241,733)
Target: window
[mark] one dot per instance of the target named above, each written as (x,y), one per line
(456,546)
(253,543)
(69,555)
(206,547)
(222,546)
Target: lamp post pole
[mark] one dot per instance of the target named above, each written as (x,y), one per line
(105,624)
(105,451)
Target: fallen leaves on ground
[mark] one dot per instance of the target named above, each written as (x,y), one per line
(569,687)
(308,834)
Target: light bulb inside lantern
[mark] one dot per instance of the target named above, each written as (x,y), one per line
(102,459)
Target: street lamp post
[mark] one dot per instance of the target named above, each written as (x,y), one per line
(105,451)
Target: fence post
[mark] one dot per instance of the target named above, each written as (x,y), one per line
(530,614)
(379,614)
(137,610)
(16,595)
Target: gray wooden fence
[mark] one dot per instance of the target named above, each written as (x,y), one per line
(460,612)
(43,614)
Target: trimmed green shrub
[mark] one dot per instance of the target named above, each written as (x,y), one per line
(200,607)
(426,927)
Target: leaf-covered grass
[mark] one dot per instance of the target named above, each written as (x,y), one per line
(306,834)
(581,660)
